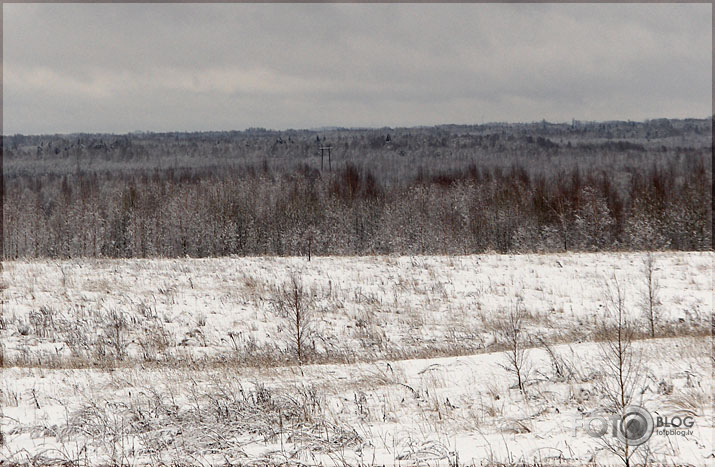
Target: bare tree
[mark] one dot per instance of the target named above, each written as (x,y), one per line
(622,368)
(295,305)
(651,300)
(511,329)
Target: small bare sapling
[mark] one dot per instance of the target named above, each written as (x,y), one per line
(512,331)
(651,289)
(295,305)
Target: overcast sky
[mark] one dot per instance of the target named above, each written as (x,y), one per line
(165,67)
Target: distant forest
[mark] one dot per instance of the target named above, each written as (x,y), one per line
(453,189)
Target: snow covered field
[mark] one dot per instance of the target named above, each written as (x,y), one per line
(188,360)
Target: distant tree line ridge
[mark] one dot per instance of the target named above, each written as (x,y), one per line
(442,190)
(392,154)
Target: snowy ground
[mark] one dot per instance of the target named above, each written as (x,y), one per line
(186,360)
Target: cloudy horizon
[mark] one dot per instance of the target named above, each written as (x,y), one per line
(198,67)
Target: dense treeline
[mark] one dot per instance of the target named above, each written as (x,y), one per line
(253,210)
(446,189)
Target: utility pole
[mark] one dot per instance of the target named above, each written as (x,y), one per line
(322,152)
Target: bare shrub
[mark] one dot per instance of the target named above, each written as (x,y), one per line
(511,329)
(115,326)
(295,305)
(369,332)
(43,321)
(622,368)
(155,340)
(651,301)
(563,370)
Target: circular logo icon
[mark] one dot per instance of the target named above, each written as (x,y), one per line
(636,426)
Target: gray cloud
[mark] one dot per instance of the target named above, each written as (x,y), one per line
(124,67)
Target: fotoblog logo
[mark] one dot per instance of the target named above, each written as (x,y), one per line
(634,427)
